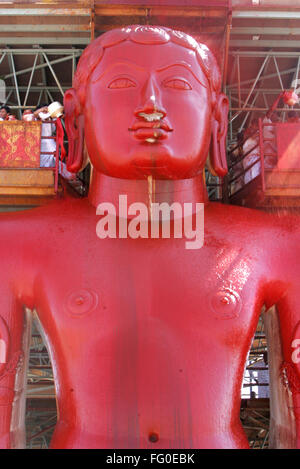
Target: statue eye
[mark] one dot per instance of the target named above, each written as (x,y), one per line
(119,83)
(177,84)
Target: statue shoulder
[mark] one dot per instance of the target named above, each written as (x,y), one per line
(268,242)
(37,225)
(272,238)
(239,223)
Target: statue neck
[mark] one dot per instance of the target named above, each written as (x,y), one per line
(107,189)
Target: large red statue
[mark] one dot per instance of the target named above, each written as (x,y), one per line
(148,339)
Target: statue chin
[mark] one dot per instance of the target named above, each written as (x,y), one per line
(160,161)
(141,168)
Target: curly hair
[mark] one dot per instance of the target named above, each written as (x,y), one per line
(93,54)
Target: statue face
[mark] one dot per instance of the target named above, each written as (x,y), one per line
(148,112)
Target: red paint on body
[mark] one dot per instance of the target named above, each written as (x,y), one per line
(148,339)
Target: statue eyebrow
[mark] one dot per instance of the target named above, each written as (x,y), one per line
(187,66)
(116,64)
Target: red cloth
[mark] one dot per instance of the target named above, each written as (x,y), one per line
(60,138)
(20,144)
(288,144)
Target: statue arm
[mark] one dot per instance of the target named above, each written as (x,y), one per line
(19,252)
(289,322)
(287,266)
(16,291)
(12,372)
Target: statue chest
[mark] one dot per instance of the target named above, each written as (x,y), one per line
(150,293)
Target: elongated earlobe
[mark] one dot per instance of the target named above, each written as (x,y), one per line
(218,160)
(74,122)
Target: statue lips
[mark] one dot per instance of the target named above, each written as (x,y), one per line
(151,134)
(155,131)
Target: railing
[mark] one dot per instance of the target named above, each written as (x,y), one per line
(54,153)
(260,143)
(214,186)
(234,174)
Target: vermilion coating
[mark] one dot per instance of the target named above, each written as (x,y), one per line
(146,337)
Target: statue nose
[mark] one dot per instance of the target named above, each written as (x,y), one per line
(150,99)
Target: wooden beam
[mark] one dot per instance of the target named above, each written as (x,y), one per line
(127,10)
(44,40)
(265,43)
(266,14)
(275,31)
(36,28)
(103,27)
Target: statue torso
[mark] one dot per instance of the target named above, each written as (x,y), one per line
(149,338)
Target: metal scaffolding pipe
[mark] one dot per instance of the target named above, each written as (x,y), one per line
(2,57)
(72,50)
(271,75)
(52,62)
(30,80)
(38,88)
(296,75)
(12,64)
(277,71)
(252,53)
(261,109)
(253,86)
(54,74)
(44,11)
(45,40)
(45,28)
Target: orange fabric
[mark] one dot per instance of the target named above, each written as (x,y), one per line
(288,142)
(20,144)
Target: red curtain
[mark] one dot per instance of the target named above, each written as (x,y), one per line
(20,144)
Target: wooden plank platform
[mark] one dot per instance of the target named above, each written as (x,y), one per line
(26,178)
(23,187)
(282,190)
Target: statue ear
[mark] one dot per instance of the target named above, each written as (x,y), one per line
(74,121)
(217,158)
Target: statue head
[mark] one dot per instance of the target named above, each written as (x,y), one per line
(146,101)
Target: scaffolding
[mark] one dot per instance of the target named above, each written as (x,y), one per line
(28,87)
